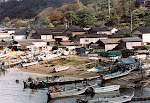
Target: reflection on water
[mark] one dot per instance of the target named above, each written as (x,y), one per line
(12,92)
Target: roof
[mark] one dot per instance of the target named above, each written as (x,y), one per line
(29,40)
(20,32)
(131,39)
(101,28)
(126,60)
(143,29)
(111,41)
(59,34)
(75,29)
(67,43)
(93,36)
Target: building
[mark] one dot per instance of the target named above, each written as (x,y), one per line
(86,39)
(102,30)
(108,44)
(143,33)
(129,43)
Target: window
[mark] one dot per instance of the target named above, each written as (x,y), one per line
(86,40)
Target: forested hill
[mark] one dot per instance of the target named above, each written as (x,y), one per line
(29,8)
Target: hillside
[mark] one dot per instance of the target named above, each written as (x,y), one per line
(26,9)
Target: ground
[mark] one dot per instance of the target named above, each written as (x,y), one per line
(78,67)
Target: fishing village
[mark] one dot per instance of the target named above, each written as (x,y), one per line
(82,70)
(74,51)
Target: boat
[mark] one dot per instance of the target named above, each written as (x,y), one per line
(106,89)
(29,64)
(121,99)
(60,69)
(66,93)
(98,69)
(116,74)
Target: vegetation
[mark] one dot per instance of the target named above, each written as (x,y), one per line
(83,13)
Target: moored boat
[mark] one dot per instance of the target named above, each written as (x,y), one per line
(121,99)
(106,89)
(116,74)
(66,93)
(29,64)
(60,69)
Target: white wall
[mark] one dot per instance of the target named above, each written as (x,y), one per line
(104,32)
(146,37)
(110,46)
(48,37)
(39,44)
(18,37)
(129,45)
(10,32)
(89,40)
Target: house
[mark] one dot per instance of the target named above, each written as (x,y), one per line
(129,43)
(108,44)
(127,63)
(72,31)
(103,30)
(4,35)
(143,33)
(68,44)
(86,39)
(142,3)
(30,44)
(33,33)
(121,33)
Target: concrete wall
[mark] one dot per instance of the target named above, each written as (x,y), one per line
(129,45)
(19,37)
(146,37)
(46,37)
(110,46)
(89,40)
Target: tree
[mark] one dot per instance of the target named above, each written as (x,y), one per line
(56,16)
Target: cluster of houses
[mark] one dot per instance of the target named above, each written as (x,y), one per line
(103,38)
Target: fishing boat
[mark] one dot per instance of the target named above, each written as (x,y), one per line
(121,99)
(106,89)
(60,69)
(66,93)
(98,69)
(116,74)
(29,64)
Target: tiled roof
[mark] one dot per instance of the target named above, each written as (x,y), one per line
(131,39)
(93,36)
(143,29)
(111,41)
(100,28)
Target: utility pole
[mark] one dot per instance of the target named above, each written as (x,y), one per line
(109,7)
(131,14)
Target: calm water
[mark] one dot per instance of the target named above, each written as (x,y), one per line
(11,92)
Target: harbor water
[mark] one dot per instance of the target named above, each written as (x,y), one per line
(12,92)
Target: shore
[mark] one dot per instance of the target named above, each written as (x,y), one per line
(78,67)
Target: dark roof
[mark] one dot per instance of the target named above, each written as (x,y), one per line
(117,34)
(143,29)
(125,30)
(100,28)
(131,39)
(126,60)
(59,34)
(93,36)
(75,29)
(20,32)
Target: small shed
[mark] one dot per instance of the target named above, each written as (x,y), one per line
(127,63)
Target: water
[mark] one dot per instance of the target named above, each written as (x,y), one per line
(11,92)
